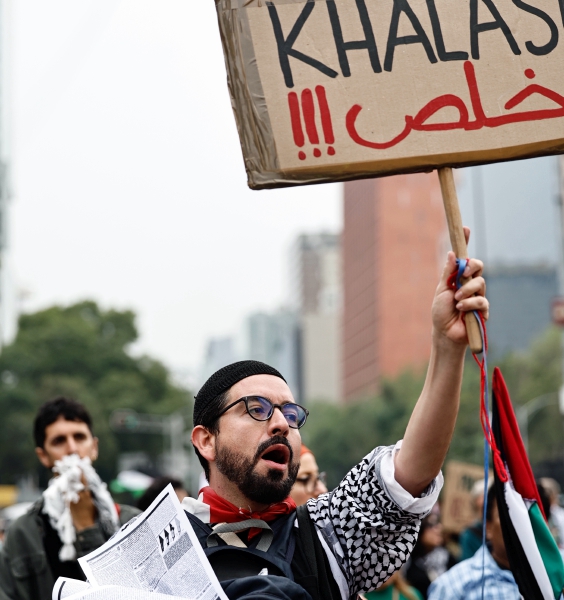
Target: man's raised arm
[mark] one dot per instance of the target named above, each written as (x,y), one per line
(431,426)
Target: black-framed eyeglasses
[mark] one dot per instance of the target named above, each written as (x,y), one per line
(262,409)
(310,481)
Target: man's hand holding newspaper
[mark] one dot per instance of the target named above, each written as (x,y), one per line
(155,556)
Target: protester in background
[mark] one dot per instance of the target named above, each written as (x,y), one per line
(471,538)
(32,558)
(396,588)
(429,559)
(487,572)
(157,487)
(310,483)
(544,497)
(556,522)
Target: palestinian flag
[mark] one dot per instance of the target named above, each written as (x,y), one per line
(534,557)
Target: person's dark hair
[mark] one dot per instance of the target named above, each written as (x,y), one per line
(429,521)
(544,498)
(155,489)
(48,413)
(210,420)
(223,380)
(492,501)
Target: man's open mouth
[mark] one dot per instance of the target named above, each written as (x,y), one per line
(277,454)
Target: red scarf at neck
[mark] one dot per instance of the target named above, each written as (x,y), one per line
(222,511)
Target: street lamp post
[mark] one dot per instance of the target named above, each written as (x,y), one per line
(530,408)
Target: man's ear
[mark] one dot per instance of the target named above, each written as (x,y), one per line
(204,441)
(43,457)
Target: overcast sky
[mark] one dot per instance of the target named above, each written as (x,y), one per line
(129,185)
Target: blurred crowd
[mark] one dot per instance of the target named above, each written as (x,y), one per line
(441,563)
(435,552)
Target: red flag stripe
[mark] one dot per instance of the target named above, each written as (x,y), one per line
(514,450)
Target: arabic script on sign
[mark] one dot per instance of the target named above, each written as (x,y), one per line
(420,121)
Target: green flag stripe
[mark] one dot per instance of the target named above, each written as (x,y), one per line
(548,549)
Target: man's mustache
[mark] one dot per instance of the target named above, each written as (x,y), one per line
(273,441)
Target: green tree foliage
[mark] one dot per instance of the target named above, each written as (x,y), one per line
(79,351)
(340,435)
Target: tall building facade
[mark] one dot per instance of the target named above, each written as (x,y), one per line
(8,309)
(316,288)
(220,351)
(274,338)
(521,298)
(394,240)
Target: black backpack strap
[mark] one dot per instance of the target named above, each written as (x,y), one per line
(310,564)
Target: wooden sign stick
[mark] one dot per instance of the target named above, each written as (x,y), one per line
(458,243)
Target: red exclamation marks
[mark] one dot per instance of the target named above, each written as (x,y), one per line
(308,111)
(325,119)
(297,130)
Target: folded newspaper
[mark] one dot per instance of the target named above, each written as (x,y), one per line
(155,556)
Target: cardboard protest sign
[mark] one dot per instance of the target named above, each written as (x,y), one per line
(329,90)
(456,507)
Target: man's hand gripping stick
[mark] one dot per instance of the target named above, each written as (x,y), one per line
(458,242)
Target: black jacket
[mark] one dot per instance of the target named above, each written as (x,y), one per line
(26,558)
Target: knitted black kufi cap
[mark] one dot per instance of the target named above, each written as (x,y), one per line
(221,381)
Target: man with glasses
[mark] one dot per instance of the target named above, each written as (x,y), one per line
(246,435)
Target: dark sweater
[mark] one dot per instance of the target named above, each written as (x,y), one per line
(29,560)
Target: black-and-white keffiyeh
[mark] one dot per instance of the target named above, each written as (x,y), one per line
(369,524)
(63,490)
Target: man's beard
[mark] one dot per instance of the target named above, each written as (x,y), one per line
(263,489)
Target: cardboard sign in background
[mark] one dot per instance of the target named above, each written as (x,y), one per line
(457,512)
(328,90)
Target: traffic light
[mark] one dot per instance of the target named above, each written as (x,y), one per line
(124,419)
